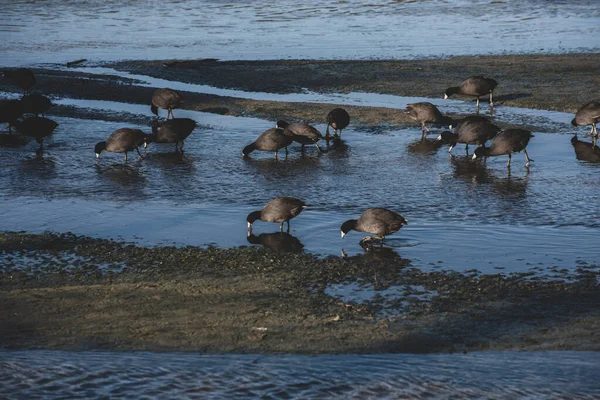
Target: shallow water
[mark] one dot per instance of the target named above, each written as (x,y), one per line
(42,31)
(75,375)
(462,214)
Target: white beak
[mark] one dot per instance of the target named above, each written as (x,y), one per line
(249,226)
(343,234)
(445,97)
(439,137)
(474,157)
(97,155)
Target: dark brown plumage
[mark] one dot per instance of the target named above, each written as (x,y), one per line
(588,114)
(425,113)
(338,119)
(507,142)
(473,129)
(11,111)
(378,221)
(270,140)
(122,140)
(280,209)
(23,78)
(301,132)
(174,130)
(476,86)
(36,104)
(37,128)
(167,99)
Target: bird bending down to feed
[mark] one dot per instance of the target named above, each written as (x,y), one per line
(425,113)
(21,77)
(122,140)
(507,142)
(476,86)
(378,221)
(301,132)
(338,119)
(174,130)
(588,114)
(280,209)
(270,140)
(473,129)
(167,99)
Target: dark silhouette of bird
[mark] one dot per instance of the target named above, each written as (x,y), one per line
(425,113)
(270,140)
(507,142)
(588,114)
(586,151)
(476,86)
(37,128)
(280,241)
(338,119)
(174,130)
(23,78)
(301,132)
(11,111)
(167,99)
(280,209)
(122,140)
(379,221)
(36,104)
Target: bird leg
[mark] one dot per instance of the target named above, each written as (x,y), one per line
(125,156)
(477,106)
(318,148)
(281,226)
(139,154)
(509,156)
(181,148)
(491,99)
(276,157)
(288,226)
(529,160)
(467,148)
(327,137)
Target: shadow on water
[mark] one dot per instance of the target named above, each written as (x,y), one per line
(425,146)
(122,175)
(280,241)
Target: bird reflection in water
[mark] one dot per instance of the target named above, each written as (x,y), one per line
(280,241)
(425,146)
(586,151)
(467,169)
(122,174)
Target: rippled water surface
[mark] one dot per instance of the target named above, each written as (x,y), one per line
(61,31)
(543,375)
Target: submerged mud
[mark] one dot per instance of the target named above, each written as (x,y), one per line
(115,295)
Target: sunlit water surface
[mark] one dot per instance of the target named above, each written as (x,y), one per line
(42,31)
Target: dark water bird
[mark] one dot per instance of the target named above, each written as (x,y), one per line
(476,86)
(36,104)
(473,129)
(174,130)
(588,114)
(11,111)
(23,78)
(280,241)
(586,151)
(270,140)
(425,113)
(122,140)
(378,221)
(507,142)
(301,132)
(37,128)
(167,99)
(280,209)
(338,119)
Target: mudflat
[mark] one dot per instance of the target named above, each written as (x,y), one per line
(71,292)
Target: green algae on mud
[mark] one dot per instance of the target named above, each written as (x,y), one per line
(115,295)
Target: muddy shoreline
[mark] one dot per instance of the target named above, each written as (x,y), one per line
(121,296)
(548,82)
(82,293)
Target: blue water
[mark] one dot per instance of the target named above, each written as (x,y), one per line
(43,31)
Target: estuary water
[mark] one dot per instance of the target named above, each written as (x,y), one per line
(42,31)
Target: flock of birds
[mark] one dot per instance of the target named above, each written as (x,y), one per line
(23,114)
